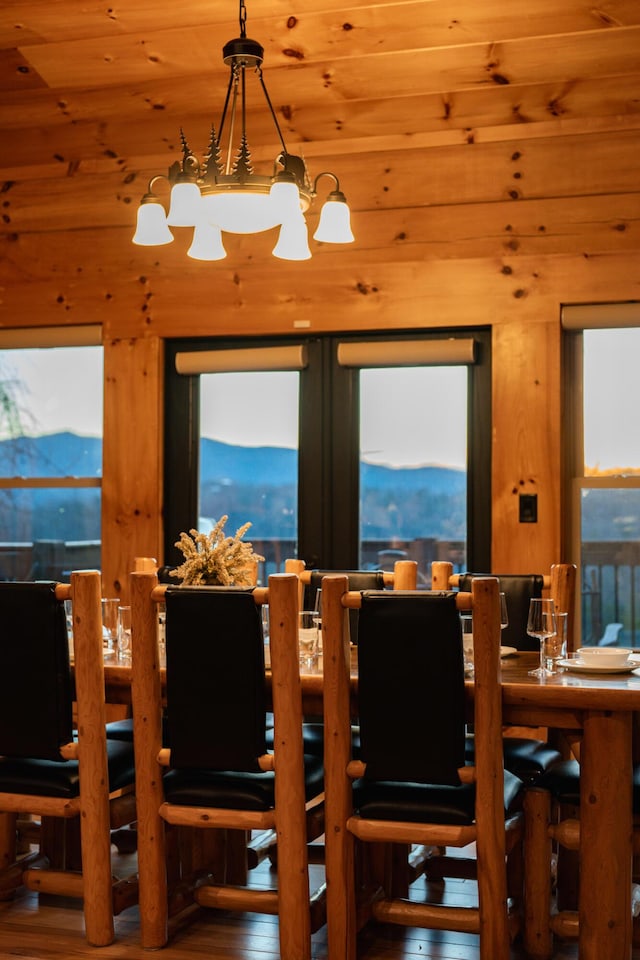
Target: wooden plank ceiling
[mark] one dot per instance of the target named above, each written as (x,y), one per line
(440,117)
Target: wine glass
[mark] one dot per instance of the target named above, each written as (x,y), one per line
(467,642)
(317,604)
(110,624)
(504,615)
(541,624)
(317,609)
(124,634)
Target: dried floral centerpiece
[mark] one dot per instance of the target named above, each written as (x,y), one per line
(211,558)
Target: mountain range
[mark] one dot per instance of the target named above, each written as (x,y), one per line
(430,499)
(70,455)
(260,482)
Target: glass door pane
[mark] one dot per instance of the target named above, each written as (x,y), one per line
(249,459)
(610,488)
(413,466)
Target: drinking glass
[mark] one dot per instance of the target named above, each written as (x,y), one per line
(109,624)
(317,605)
(307,638)
(556,646)
(317,608)
(68,615)
(504,615)
(265,634)
(162,634)
(124,633)
(467,642)
(542,624)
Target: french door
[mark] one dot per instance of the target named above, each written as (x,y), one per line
(348,452)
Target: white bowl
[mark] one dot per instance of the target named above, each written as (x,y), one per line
(604,656)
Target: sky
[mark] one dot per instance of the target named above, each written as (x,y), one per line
(398,405)
(62,388)
(612,384)
(397,408)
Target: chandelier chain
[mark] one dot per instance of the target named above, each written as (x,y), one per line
(243,19)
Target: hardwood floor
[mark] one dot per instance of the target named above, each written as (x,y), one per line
(51,928)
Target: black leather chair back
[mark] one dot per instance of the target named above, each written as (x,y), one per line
(35,681)
(216,703)
(411,692)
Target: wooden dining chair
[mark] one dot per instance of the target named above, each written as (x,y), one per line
(70,779)
(417,789)
(526,752)
(217,777)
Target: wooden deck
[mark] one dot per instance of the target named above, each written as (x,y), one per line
(51,928)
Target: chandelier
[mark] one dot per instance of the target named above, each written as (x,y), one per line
(223,194)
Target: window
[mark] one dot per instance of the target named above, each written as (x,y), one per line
(50,454)
(603,389)
(343,451)
(249,457)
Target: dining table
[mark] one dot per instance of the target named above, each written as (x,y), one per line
(597,711)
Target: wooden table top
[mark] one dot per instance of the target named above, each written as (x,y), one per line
(557,701)
(594,691)
(565,691)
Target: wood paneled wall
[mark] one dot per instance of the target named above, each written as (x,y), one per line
(132,458)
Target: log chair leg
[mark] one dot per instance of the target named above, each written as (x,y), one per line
(538,939)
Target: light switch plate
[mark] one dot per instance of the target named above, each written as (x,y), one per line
(528,508)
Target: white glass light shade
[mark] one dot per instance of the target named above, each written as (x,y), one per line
(334,225)
(240,211)
(293,242)
(285,198)
(207,243)
(151,225)
(185,205)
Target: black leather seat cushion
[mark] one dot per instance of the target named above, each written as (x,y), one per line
(527,759)
(563,781)
(234,790)
(52,778)
(424,802)
(123,730)
(120,730)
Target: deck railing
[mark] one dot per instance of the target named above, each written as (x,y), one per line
(54,559)
(611,590)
